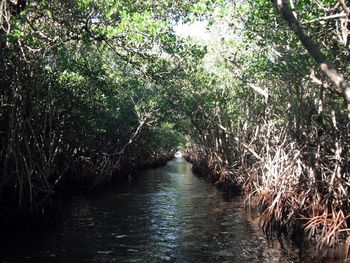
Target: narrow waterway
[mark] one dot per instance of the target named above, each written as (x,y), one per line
(165,215)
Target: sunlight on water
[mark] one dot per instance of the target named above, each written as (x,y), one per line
(165,215)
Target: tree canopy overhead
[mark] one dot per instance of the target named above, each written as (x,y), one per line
(93,89)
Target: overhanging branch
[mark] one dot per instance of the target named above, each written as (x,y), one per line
(334,76)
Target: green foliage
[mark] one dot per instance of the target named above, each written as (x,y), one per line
(84,93)
(92,87)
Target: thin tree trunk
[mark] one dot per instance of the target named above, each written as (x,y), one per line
(333,75)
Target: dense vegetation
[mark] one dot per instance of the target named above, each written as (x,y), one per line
(93,89)
(79,96)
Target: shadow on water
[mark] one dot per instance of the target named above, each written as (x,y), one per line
(166,215)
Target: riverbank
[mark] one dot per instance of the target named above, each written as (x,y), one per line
(280,212)
(165,215)
(48,211)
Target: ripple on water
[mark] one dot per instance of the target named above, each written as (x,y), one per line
(166,215)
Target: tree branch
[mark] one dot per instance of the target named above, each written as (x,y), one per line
(341,15)
(336,78)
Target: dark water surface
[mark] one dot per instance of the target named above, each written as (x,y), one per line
(165,215)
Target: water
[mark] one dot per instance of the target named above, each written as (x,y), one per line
(166,215)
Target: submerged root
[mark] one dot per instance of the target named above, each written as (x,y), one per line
(301,190)
(329,228)
(290,191)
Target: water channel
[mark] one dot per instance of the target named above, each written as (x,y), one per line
(165,215)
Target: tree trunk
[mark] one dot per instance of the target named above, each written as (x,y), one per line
(333,75)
